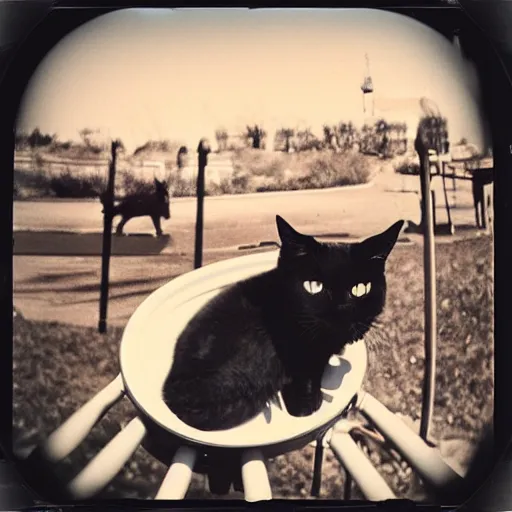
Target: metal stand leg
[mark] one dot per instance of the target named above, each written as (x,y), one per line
(255,476)
(317,468)
(177,480)
(107,464)
(426,460)
(361,469)
(76,428)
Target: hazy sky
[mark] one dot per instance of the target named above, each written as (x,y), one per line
(142,74)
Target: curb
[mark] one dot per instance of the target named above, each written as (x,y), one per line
(277,193)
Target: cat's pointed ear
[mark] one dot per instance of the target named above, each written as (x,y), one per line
(292,239)
(378,247)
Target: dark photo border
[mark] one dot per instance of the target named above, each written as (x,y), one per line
(33,27)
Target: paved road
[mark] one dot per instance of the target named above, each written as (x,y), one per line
(66,289)
(235,220)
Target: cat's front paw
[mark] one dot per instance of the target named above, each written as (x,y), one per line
(301,404)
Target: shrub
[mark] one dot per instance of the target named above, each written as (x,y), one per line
(335,170)
(130,184)
(254,171)
(56,146)
(408,168)
(70,186)
(240,183)
(28,184)
(181,187)
(258,163)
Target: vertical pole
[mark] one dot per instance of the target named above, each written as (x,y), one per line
(434,219)
(347,487)
(317,468)
(446,200)
(430,299)
(202,160)
(107,239)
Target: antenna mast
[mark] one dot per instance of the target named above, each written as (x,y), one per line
(367,85)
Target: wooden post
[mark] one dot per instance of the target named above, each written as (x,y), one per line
(202,160)
(429,266)
(107,238)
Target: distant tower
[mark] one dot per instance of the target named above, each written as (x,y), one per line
(367,87)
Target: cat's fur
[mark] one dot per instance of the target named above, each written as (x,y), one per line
(154,204)
(268,334)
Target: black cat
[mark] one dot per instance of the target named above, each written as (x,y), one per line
(154,205)
(277,331)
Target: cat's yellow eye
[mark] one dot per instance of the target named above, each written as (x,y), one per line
(361,289)
(313,287)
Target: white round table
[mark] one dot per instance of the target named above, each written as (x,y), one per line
(147,349)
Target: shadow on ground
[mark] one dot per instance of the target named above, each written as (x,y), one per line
(59,243)
(136,287)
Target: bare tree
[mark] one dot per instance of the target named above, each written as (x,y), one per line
(256,134)
(304,139)
(221,135)
(38,139)
(284,138)
(85,135)
(327,134)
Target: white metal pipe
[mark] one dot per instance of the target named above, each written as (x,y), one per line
(108,462)
(367,478)
(177,480)
(426,460)
(62,441)
(429,283)
(255,476)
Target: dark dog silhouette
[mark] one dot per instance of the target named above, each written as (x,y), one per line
(153,204)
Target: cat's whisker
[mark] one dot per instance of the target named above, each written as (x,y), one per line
(312,331)
(374,338)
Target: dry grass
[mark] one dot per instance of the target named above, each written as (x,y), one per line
(57,367)
(254,171)
(257,171)
(38,184)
